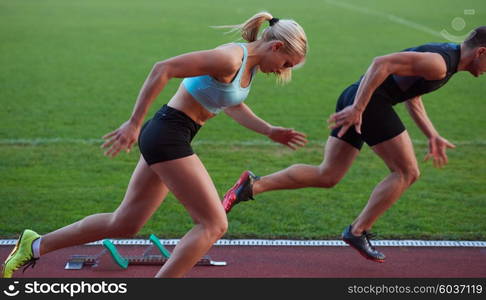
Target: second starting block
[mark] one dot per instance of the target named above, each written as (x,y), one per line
(111,259)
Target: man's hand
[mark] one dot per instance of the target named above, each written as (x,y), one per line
(437,151)
(346,118)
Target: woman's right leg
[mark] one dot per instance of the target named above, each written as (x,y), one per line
(189,181)
(144,195)
(338,158)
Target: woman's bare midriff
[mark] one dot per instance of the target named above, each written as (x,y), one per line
(184,102)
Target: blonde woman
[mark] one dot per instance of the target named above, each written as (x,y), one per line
(215,80)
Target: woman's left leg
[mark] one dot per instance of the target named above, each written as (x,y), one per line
(189,181)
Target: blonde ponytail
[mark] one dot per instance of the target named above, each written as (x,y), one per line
(287,31)
(250,28)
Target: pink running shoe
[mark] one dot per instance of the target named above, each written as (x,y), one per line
(241,191)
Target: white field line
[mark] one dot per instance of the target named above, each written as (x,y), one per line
(53,141)
(387,16)
(305,243)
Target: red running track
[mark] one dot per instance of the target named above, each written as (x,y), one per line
(290,262)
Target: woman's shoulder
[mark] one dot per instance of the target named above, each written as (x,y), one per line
(231,54)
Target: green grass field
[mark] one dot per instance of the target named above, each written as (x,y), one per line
(71,70)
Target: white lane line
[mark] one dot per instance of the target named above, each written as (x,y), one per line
(306,243)
(390,17)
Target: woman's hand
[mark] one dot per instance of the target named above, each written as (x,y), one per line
(437,150)
(349,116)
(288,137)
(121,139)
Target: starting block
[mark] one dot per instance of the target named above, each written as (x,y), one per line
(111,259)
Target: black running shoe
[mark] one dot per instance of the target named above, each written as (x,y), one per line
(241,191)
(363,245)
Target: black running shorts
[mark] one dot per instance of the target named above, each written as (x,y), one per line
(379,122)
(167,136)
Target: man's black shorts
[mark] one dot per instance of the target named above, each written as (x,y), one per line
(380,122)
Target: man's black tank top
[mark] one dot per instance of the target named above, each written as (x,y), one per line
(396,89)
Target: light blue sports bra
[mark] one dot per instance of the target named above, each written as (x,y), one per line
(215,95)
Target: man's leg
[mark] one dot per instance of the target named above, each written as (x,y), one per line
(399,156)
(338,158)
